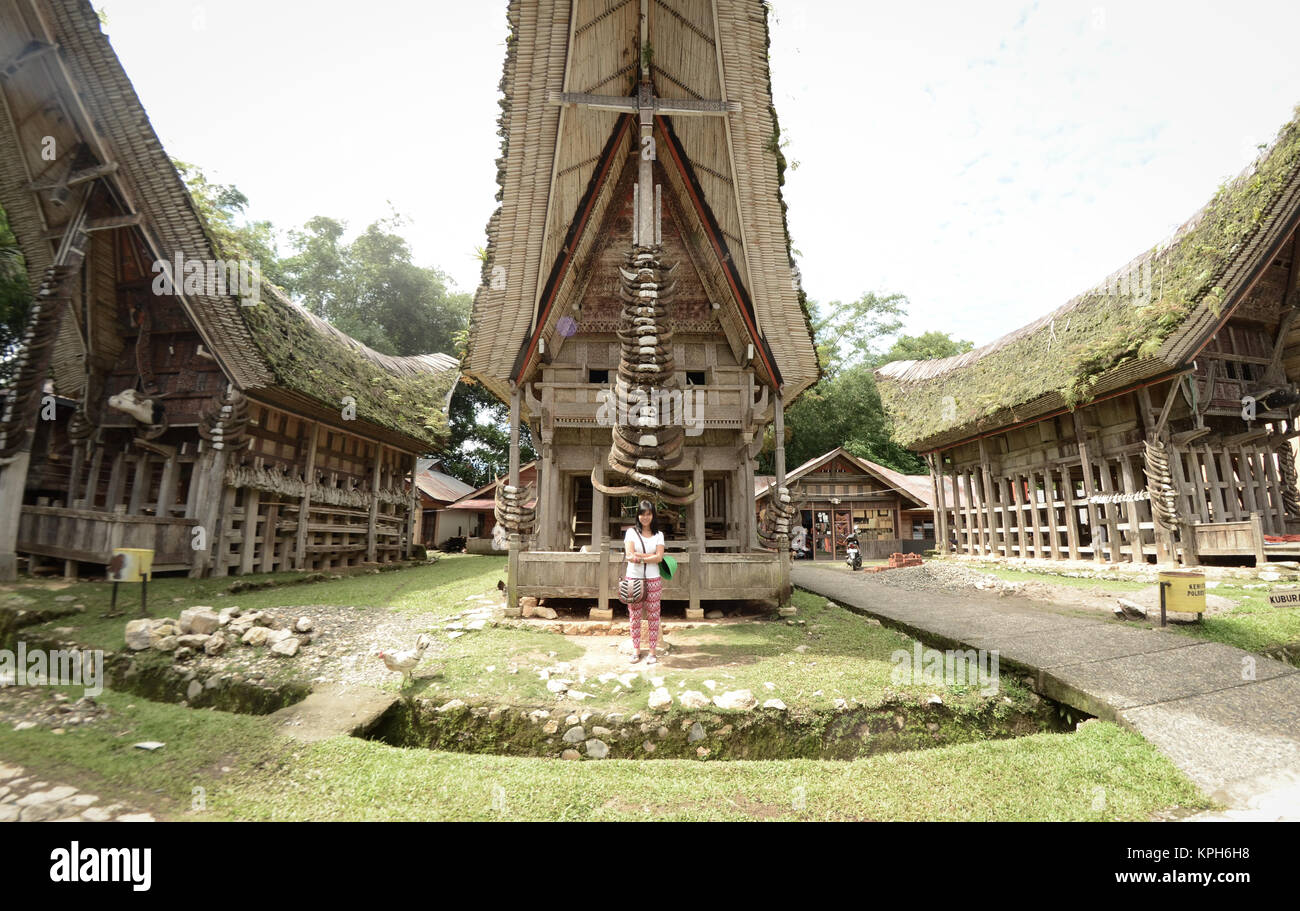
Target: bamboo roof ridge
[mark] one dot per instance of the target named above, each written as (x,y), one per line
(553,154)
(1145,320)
(274,345)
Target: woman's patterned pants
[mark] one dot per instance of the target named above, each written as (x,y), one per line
(651,608)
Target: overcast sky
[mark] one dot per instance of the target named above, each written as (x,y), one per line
(988,159)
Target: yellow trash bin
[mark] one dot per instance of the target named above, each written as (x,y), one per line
(1184,591)
(131,564)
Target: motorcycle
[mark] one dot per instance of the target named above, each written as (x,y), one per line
(853,555)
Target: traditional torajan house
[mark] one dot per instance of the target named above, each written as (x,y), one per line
(639,307)
(213,421)
(437,491)
(1149,419)
(473,516)
(838,495)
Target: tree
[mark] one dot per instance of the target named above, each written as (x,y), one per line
(234,236)
(925,347)
(371,289)
(481,425)
(846,335)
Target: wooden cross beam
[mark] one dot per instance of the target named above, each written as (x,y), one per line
(682,107)
(33,51)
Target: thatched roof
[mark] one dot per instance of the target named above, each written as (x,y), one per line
(554,169)
(81,94)
(1106,340)
(911,487)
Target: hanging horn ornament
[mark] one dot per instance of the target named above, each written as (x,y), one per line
(649,442)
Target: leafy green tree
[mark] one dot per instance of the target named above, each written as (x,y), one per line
(222,207)
(371,289)
(847,333)
(15,298)
(481,425)
(925,347)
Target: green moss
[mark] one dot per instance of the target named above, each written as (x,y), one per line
(328,371)
(1101,332)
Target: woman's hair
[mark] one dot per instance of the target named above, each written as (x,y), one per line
(643,507)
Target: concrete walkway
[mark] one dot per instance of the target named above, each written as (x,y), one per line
(1229,719)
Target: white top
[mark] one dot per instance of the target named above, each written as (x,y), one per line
(642,545)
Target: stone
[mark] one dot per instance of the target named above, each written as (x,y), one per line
(9,812)
(663,732)
(557,686)
(451,706)
(599,731)
(137,634)
(194,690)
(193,640)
(150,745)
(40,812)
(575,734)
(24,725)
(660,699)
(578,695)
(227,614)
(1269,576)
(841,705)
(714,615)
(648,747)
(551,727)
(167,644)
(570,754)
(696,733)
(96,814)
(303,625)
(53,795)
(693,699)
(215,645)
(741,700)
(597,749)
(256,636)
(277,635)
(202,621)
(136,817)
(702,752)
(286,648)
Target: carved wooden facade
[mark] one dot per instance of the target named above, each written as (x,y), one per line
(655,261)
(227,435)
(1186,362)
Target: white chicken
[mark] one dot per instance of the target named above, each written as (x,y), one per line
(405,662)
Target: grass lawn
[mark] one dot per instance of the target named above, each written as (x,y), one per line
(247,770)
(438,587)
(1100,772)
(1253,625)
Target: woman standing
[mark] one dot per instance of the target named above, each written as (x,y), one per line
(644,546)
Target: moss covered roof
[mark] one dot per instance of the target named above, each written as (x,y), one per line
(1108,337)
(407,395)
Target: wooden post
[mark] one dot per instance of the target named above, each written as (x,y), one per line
(696,547)
(970,514)
(1018,498)
(1136,554)
(987,481)
(1165,548)
(167,488)
(1277,508)
(785,608)
(13,481)
(1036,530)
(1049,496)
(248,548)
(940,502)
(304,505)
(1257,539)
(1071,514)
(1112,508)
(372,528)
(1089,490)
(512,566)
(604,609)
(210,481)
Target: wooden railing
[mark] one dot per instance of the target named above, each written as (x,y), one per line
(89,536)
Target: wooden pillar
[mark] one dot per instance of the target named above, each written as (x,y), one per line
(304,504)
(1049,498)
(167,488)
(269,527)
(512,565)
(783,555)
(116,481)
(1089,491)
(1112,509)
(372,528)
(1277,509)
(986,479)
(139,484)
(248,552)
(1257,539)
(1131,509)
(1214,484)
(1018,499)
(971,528)
(695,548)
(1036,530)
(940,502)
(13,481)
(209,485)
(1072,535)
(599,511)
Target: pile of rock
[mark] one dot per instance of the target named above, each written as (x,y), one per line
(207,631)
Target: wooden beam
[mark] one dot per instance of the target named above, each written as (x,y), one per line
(1089,491)
(1129,479)
(304,503)
(1049,495)
(248,552)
